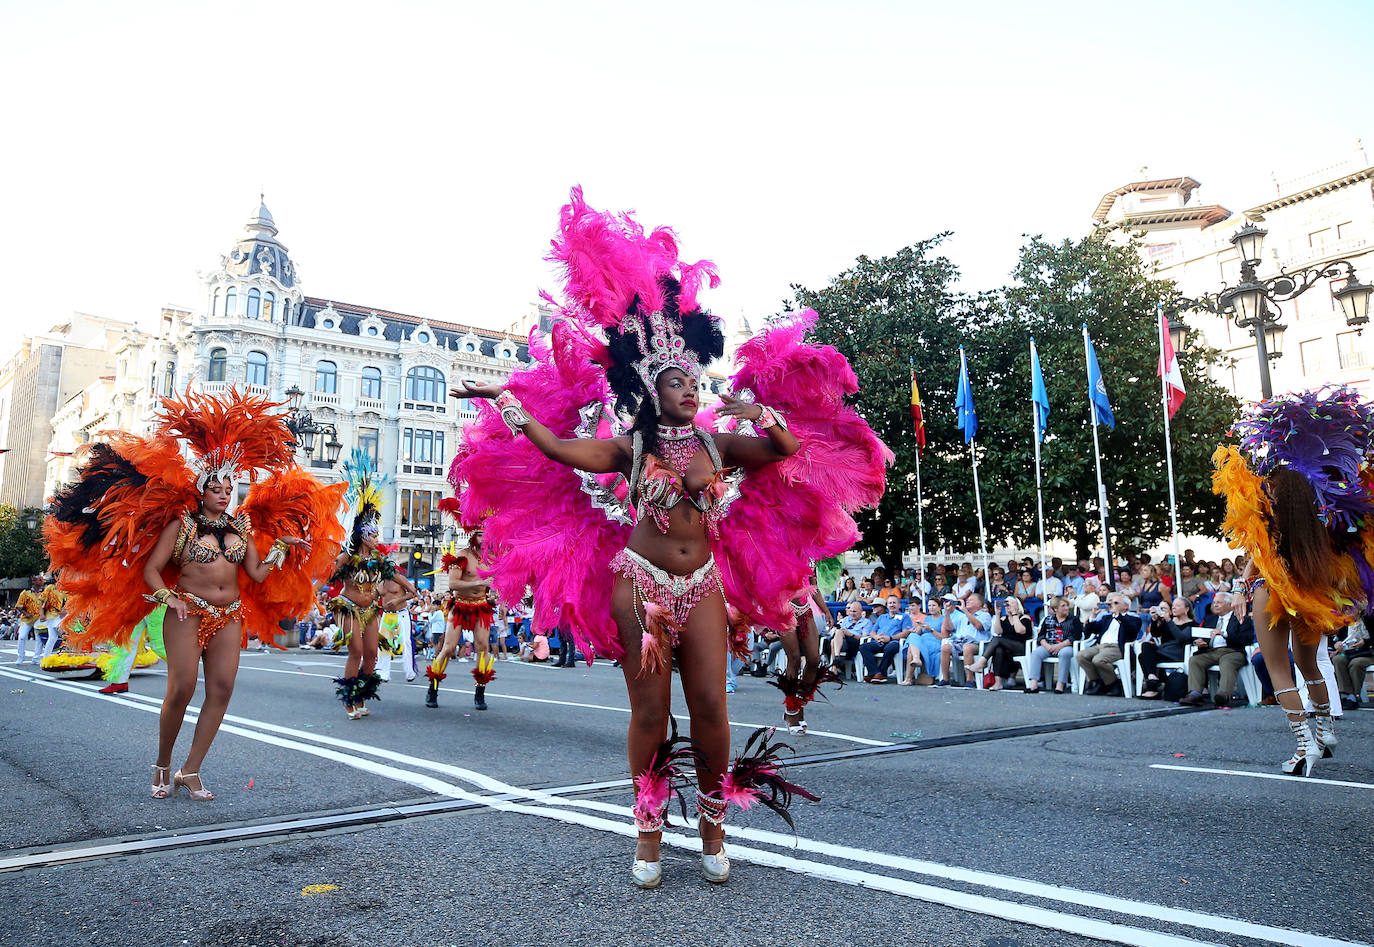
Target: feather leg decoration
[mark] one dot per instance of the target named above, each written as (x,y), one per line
(756,777)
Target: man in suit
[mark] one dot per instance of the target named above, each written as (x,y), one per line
(1112,630)
(1220,642)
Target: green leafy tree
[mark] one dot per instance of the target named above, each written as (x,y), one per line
(884,313)
(881,313)
(21,547)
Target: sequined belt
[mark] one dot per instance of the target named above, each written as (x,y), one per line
(213,618)
(677,593)
(362,613)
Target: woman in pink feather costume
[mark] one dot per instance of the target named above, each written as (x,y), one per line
(526,472)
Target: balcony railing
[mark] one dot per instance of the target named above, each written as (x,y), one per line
(324,399)
(375,405)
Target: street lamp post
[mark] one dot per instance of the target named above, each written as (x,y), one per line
(304,429)
(1253,302)
(434,528)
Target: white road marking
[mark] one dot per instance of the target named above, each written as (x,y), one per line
(979,904)
(1284,776)
(850,738)
(556,808)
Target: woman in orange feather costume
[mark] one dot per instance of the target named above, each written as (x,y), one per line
(1303,508)
(141,528)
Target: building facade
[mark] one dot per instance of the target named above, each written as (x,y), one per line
(380,378)
(1312,220)
(41,376)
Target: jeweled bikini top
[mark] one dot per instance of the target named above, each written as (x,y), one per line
(656,487)
(205,540)
(370,571)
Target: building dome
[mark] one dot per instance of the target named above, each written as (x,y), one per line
(259,251)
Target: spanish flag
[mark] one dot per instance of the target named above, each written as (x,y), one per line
(916,416)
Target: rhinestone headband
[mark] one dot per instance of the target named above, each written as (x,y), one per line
(662,348)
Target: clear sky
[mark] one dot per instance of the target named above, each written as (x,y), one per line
(415,155)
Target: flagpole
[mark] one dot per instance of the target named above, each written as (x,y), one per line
(920,537)
(920,519)
(1035,439)
(1097,456)
(1169,447)
(977,496)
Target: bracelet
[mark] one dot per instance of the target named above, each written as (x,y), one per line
(162,595)
(512,411)
(769,417)
(276,555)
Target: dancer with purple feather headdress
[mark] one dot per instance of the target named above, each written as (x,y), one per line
(1303,508)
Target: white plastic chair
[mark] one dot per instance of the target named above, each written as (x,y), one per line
(1164,666)
(1056,662)
(1123,673)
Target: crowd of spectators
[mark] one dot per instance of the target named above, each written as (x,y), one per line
(1048,628)
(1042,629)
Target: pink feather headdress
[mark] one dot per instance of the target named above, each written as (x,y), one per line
(615,276)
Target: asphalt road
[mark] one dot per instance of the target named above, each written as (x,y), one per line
(948,817)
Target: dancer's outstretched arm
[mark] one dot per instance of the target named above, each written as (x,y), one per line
(739,451)
(592,454)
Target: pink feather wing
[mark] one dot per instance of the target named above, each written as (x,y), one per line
(540,529)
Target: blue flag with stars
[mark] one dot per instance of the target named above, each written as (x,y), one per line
(963,401)
(1097,388)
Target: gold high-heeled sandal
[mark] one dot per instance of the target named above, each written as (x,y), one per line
(161,790)
(197,795)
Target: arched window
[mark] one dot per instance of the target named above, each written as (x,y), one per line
(253,311)
(327,378)
(231,302)
(286,313)
(214,305)
(217,360)
(269,306)
(257,368)
(372,383)
(424,383)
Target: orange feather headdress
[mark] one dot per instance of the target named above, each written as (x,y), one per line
(237,435)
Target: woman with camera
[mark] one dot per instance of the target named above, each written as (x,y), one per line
(1171,629)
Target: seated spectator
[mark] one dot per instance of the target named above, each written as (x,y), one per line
(966,584)
(319,636)
(535,650)
(1171,631)
(886,591)
(1025,587)
(1220,642)
(1352,659)
(1086,602)
(849,631)
(1127,587)
(1152,590)
(767,644)
(1048,586)
(919,589)
(923,644)
(868,592)
(880,650)
(969,626)
(998,588)
(1109,634)
(1011,632)
(1058,632)
(1073,583)
(849,592)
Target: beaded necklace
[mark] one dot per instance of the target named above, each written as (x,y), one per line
(677,446)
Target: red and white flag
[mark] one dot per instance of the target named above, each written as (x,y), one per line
(1168,368)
